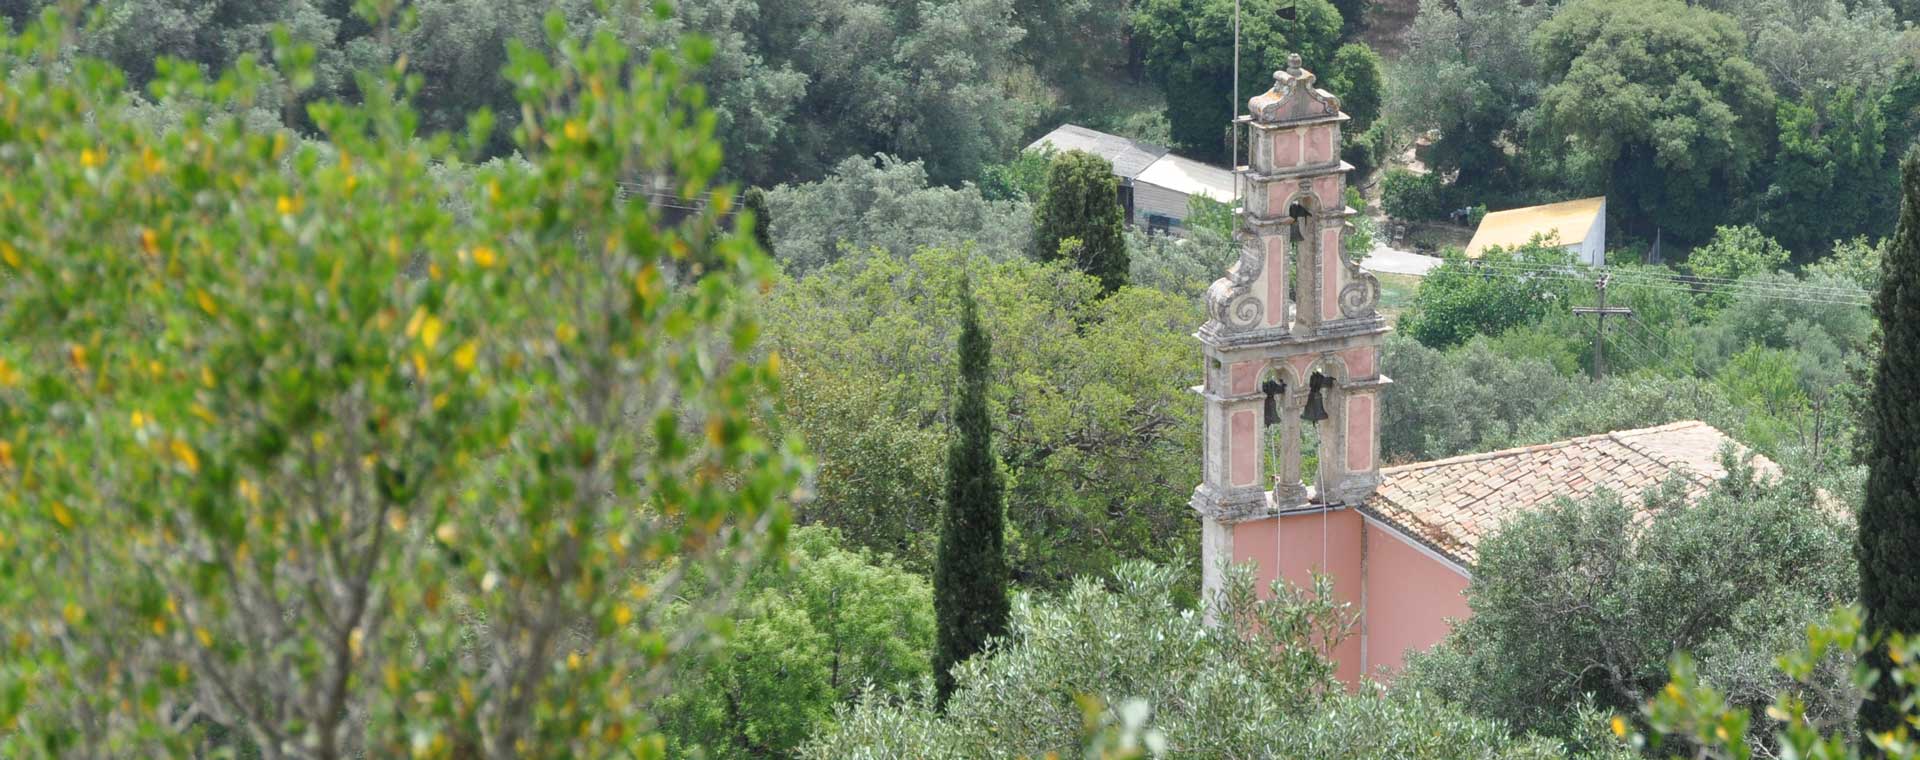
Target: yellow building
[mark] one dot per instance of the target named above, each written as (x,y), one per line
(1578,226)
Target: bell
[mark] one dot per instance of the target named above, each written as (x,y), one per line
(1273,390)
(1316,409)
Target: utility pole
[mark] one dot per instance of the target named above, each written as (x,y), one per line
(1600,313)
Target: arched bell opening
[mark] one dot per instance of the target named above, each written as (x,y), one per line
(1323,412)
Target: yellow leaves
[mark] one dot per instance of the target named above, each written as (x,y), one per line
(773,362)
(355,642)
(92,159)
(1619,726)
(1897,654)
(622,615)
(203,636)
(72,613)
(77,356)
(9,254)
(565,333)
(9,376)
(419,364)
(62,516)
(6,454)
(446,533)
(159,626)
(574,130)
(206,376)
(485,257)
(466,355)
(439,401)
(426,327)
(138,420)
(205,414)
(151,162)
(391,675)
(574,660)
(249,491)
(287,205)
(184,454)
(206,303)
(639,591)
(646,284)
(149,241)
(396,521)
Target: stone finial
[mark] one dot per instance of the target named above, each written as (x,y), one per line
(1293,64)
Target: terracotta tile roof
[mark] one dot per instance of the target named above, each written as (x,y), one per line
(1451,504)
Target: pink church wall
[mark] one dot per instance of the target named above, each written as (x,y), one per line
(1286,148)
(1299,545)
(1330,271)
(1359,433)
(1327,188)
(1276,281)
(1245,448)
(1319,145)
(1360,362)
(1410,597)
(1246,378)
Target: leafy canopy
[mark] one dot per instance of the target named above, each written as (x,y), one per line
(295,456)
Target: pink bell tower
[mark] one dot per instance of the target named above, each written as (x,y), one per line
(1292,350)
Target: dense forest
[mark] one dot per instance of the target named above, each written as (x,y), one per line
(460,378)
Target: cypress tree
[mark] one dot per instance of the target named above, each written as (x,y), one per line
(970,574)
(1890,520)
(755,200)
(1081,203)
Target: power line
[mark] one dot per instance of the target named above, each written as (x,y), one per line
(1779,291)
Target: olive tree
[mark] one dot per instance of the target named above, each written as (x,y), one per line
(296,462)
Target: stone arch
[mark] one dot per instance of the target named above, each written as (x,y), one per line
(1331,433)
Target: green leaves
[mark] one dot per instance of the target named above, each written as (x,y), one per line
(265,410)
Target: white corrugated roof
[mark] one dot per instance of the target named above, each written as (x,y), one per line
(1129,157)
(1190,177)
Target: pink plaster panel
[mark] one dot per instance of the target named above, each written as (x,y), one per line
(1244,448)
(1319,144)
(1360,429)
(1276,199)
(1330,273)
(1301,545)
(1410,597)
(1328,189)
(1286,148)
(1360,362)
(1246,378)
(1276,270)
(1300,364)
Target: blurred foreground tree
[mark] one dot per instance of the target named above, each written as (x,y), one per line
(298,462)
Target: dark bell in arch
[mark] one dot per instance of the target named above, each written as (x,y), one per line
(1316,409)
(1273,391)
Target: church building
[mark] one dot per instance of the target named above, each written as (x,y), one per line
(1292,367)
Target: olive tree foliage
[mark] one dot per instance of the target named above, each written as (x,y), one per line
(1469,72)
(1696,714)
(295,457)
(886,203)
(1187,47)
(810,631)
(1088,402)
(1499,290)
(1257,684)
(1816,47)
(1585,602)
(1663,96)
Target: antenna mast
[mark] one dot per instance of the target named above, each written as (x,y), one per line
(1233,132)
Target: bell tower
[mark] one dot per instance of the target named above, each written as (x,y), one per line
(1292,341)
